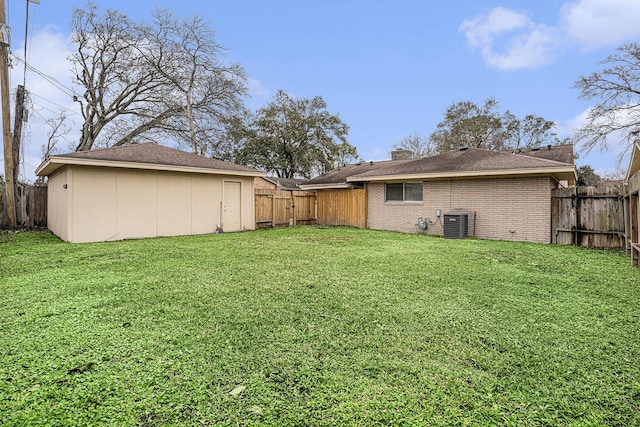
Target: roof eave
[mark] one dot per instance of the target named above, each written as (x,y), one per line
(566,173)
(50,165)
(337,185)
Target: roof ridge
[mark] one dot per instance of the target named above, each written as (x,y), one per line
(113,147)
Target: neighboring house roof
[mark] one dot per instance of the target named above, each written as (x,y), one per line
(560,153)
(470,162)
(337,178)
(145,156)
(284,183)
(634,164)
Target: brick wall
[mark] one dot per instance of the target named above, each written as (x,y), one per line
(516,209)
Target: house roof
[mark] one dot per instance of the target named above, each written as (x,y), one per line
(149,156)
(337,178)
(287,183)
(470,162)
(560,153)
(555,161)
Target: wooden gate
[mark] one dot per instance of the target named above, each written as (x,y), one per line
(589,216)
(282,208)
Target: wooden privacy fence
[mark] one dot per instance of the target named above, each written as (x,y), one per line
(343,207)
(589,216)
(632,217)
(601,217)
(31,206)
(282,208)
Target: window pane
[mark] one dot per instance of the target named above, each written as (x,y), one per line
(413,192)
(393,192)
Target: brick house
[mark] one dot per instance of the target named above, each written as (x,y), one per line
(507,195)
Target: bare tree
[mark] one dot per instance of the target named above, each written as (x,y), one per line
(418,145)
(56,129)
(163,79)
(617,90)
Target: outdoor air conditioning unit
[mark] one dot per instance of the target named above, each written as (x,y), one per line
(456,225)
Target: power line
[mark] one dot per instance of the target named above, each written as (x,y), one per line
(51,102)
(52,80)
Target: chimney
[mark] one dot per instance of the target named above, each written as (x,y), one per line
(401,154)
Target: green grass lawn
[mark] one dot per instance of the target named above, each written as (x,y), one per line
(316,326)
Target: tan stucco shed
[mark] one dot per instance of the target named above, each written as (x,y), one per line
(145,190)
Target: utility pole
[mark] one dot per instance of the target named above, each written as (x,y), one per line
(9,184)
(17,132)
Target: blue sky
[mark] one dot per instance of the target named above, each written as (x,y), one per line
(389,69)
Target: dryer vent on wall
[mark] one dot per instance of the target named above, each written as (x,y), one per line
(456,225)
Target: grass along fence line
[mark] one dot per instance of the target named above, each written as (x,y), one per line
(316,326)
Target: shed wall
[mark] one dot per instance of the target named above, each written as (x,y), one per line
(93,205)
(174,204)
(114,204)
(136,213)
(517,209)
(57,204)
(205,204)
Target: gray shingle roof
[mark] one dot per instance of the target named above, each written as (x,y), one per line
(340,174)
(153,153)
(285,183)
(560,153)
(464,160)
(149,153)
(453,162)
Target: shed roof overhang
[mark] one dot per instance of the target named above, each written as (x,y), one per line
(564,173)
(634,164)
(52,164)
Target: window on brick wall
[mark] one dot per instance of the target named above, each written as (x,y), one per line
(403,192)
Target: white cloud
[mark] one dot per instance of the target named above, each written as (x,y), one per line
(530,45)
(599,23)
(482,30)
(589,24)
(525,51)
